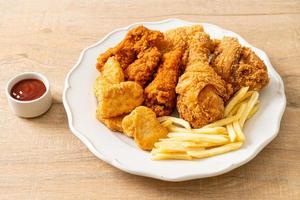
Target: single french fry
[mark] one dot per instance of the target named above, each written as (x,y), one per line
(198,137)
(173,128)
(214,130)
(215,151)
(241,110)
(168,156)
(246,96)
(167,123)
(252,101)
(222,122)
(170,147)
(203,144)
(234,100)
(175,120)
(231,132)
(239,132)
(193,143)
(253,111)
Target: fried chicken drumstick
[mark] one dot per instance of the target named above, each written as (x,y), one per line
(201,92)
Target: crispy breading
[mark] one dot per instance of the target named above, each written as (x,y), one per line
(114,123)
(143,126)
(111,73)
(114,96)
(118,99)
(200,96)
(239,66)
(251,71)
(160,94)
(201,92)
(200,46)
(136,41)
(142,69)
(179,38)
(226,57)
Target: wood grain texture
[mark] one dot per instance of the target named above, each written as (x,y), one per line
(41,159)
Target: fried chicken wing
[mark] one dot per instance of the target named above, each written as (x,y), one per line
(136,41)
(118,99)
(239,65)
(251,71)
(142,69)
(160,94)
(142,125)
(201,92)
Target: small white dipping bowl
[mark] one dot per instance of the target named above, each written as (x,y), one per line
(34,107)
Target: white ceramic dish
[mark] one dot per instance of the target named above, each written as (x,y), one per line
(121,152)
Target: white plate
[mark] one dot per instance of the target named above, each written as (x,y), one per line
(121,152)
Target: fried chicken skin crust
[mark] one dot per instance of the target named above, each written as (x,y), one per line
(160,94)
(201,92)
(142,69)
(143,126)
(137,40)
(179,38)
(239,65)
(251,71)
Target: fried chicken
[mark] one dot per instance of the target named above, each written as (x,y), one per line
(179,38)
(142,69)
(142,125)
(115,97)
(137,40)
(160,94)
(201,92)
(251,71)
(111,73)
(239,65)
(113,123)
(118,99)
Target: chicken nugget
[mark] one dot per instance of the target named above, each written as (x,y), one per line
(118,99)
(114,123)
(143,126)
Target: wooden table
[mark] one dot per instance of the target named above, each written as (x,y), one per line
(41,159)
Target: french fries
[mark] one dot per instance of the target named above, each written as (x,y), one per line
(178,121)
(248,109)
(235,100)
(214,151)
(219,137)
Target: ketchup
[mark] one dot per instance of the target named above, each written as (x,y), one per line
(28,89)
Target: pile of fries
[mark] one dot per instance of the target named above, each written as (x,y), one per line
(216,138)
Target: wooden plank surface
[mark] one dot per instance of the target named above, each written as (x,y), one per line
(41,159)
